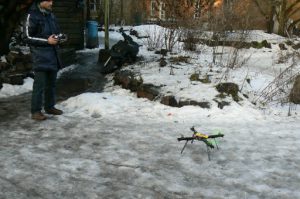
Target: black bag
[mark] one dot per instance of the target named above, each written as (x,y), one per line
(124,51)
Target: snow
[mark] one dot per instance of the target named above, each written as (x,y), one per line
(12,90)
(3,59)
(256,35)
(115,145)
(66,69)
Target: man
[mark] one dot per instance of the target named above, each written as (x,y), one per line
(41,31)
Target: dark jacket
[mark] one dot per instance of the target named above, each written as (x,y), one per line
(39,26)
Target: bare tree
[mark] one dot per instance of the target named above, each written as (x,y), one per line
(279,12)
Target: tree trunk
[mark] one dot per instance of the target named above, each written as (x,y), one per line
(88,10)
(282,18)
(122,10)
(292,25)
(106,21)
(270,19)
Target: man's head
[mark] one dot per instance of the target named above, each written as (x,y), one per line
(46,4)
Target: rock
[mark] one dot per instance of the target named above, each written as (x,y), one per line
(296,46)
(27,58)
(30,74)
(162,62)
(265,44)
(28,66)
(282,46)
(205,80)
(169,101)
(16,79)
(180,59)
(4,66)
(194,77)
(289,42)
(20,62)
(230,89)
(127,80)
(148,91)
(16,69)
(162,52)
(221,104)
(134,33)
(194,103)
(295,92)
(13,57)
(20,67)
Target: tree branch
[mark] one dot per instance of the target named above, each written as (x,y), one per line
(293,24)
(291,7)
(259,8)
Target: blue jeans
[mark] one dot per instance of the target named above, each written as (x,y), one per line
(44,85)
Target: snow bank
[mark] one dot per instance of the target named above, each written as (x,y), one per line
(9,90)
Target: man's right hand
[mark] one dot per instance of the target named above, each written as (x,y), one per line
(52,40)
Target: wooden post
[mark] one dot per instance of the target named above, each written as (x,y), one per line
(106,24)
(122,11)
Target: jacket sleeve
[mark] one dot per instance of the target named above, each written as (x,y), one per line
(31,30)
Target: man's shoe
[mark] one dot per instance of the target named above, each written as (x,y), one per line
(54,111)
(38,116)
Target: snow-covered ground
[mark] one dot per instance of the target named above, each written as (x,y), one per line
(12,90)
(114,145)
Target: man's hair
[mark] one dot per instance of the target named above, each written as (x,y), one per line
(39,1)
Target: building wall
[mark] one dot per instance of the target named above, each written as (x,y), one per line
(121,12)
(71,20)
(127,12)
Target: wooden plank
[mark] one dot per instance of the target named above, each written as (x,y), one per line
(78,27)
(67,20)
(71,21)
(64,4)
(74,36)
(72,31)
(71,10)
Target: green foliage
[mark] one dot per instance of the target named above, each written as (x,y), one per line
(230,89)
(258,45)
(221,96)
(289,42)
(194,77)
(265,44)
(179,59)
(205,80)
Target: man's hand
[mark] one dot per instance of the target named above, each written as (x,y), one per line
(52,40)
